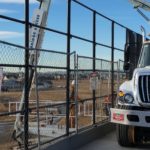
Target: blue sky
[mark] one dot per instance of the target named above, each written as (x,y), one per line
(119,10)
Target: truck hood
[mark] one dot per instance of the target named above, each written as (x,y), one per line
(141,70)
(126,86)
(132,86)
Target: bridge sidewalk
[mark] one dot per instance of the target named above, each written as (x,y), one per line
(109,142)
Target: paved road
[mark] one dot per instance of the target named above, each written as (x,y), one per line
(109,142)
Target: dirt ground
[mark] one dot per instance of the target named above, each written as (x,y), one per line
(56,93)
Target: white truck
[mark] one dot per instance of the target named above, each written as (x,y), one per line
(132,111)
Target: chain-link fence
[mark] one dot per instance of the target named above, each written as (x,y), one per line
(102,91)
(47,95)
(12,63)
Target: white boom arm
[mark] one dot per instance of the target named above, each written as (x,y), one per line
(143,5)
(35,42)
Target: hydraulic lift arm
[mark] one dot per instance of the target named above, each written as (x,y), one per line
(35,42)
(141,4)
(145,6)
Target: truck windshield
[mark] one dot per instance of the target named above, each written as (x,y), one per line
(145,56)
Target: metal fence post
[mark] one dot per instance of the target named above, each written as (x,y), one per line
(94,54)
(26,93)
(37,99)
(76,90)
(118,74)
(119,71)
(112,63)
(68,65)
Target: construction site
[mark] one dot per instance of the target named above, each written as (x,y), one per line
(65,96)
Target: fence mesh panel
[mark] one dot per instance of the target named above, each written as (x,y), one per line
(50,79)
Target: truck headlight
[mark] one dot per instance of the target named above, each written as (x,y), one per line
(128,98)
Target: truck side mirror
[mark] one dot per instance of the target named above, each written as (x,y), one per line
(126,66)
(127,58)
(127,53)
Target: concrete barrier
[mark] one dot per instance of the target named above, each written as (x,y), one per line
(76,141)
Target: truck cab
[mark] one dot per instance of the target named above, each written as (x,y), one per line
(132,112)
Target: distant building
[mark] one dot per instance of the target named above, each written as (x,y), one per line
(11,84)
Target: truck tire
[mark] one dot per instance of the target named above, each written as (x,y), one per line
(125,135)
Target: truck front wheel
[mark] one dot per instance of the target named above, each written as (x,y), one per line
(125,135)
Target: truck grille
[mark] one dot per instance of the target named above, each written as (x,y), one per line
(144,88)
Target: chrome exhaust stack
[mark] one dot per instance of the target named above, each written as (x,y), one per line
(143,33)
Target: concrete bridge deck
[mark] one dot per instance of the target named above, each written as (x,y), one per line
(109,142)
(97,138)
